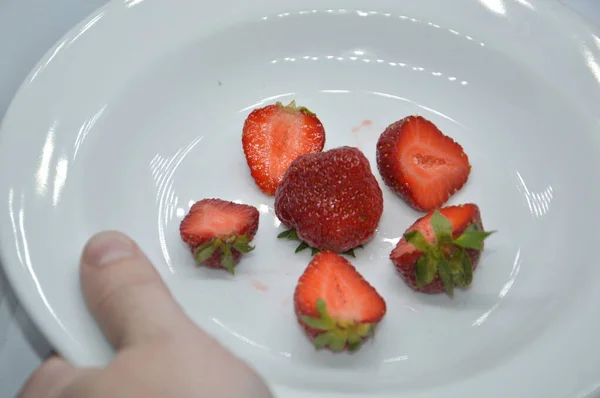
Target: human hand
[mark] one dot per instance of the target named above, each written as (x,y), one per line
(160,351)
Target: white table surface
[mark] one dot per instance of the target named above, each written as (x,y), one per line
(28,28)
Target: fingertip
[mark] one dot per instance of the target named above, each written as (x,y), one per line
(125,293)
(107,247)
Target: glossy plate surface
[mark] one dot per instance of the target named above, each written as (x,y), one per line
(137,113)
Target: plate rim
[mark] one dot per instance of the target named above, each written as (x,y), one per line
(13,276)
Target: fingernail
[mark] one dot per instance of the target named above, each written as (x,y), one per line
(107,247)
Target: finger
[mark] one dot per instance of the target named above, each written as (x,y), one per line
(126,295)
(49,379)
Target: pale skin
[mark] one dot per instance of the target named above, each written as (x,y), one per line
(160,351)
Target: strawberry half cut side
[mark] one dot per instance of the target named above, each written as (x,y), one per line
(337,308)
(420,164)
(274,136)
(219,232)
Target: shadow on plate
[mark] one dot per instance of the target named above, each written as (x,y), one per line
(17,314)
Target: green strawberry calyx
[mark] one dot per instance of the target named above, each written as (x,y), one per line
(291,234)
(292,107)
(337,334)
(446,256)
(225,247)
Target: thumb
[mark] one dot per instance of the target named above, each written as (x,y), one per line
(126,295)
(49,379)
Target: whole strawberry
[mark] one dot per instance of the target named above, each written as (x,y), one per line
(441,250)
(219,232)
(331,199)
(275,135)
(421,164)
(335,305)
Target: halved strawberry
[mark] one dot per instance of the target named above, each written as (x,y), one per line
(421,164)
(335,305)
(274,136)
(218,232)
(441,250)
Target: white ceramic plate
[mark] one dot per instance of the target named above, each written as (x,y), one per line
(138,111)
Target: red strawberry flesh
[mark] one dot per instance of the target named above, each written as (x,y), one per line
(215,224)
(276,135)
(351,303)
(421,164)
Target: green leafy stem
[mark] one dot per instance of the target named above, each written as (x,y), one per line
(225,246)
(337,335)
(292,107)
(446,256)
(291,234)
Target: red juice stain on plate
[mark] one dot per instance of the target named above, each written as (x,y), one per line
(365,123)
(258,285)
(286,301)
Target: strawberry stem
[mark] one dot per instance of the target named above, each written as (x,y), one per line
(292,107)
(291,234)
(226,247)
(227,259)
(472,239)
(301,247)
(204,252)
(337,335)
(445,256)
